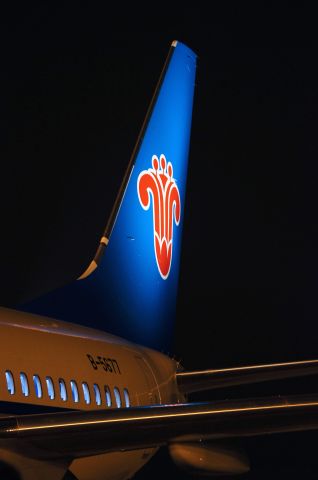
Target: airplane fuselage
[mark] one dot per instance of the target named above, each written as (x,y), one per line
(48,365)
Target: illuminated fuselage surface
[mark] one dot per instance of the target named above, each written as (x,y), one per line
(47,366)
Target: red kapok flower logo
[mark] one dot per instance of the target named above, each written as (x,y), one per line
(158,183)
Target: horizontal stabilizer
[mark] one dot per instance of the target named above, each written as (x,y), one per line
(82,433)
(198,381)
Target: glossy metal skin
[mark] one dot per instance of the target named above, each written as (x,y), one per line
(81,400)
(127,294)
(89,439)
(209,458)
(199,381)
(34,344)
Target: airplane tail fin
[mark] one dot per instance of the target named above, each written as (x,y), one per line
(133,291)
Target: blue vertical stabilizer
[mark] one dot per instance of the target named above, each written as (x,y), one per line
(130,288)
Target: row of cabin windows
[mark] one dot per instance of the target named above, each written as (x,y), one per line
(75,391)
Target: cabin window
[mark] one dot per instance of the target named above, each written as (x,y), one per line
(126,397)
(50,387)
(87,397)
(37,386)
(97,394)
(24,384)
(108,396)
(117,397)
(74,391)
(10,382)
(63,392)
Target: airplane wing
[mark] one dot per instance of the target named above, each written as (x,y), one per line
(81,433)
(201,380)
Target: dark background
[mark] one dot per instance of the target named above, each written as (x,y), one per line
(76,81)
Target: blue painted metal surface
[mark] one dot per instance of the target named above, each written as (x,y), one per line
(127,295)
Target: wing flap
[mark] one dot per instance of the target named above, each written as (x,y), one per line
(196,381)
(82,433)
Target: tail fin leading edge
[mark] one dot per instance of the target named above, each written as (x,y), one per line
(133,291)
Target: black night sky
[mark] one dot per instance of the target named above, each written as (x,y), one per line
(76,81)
